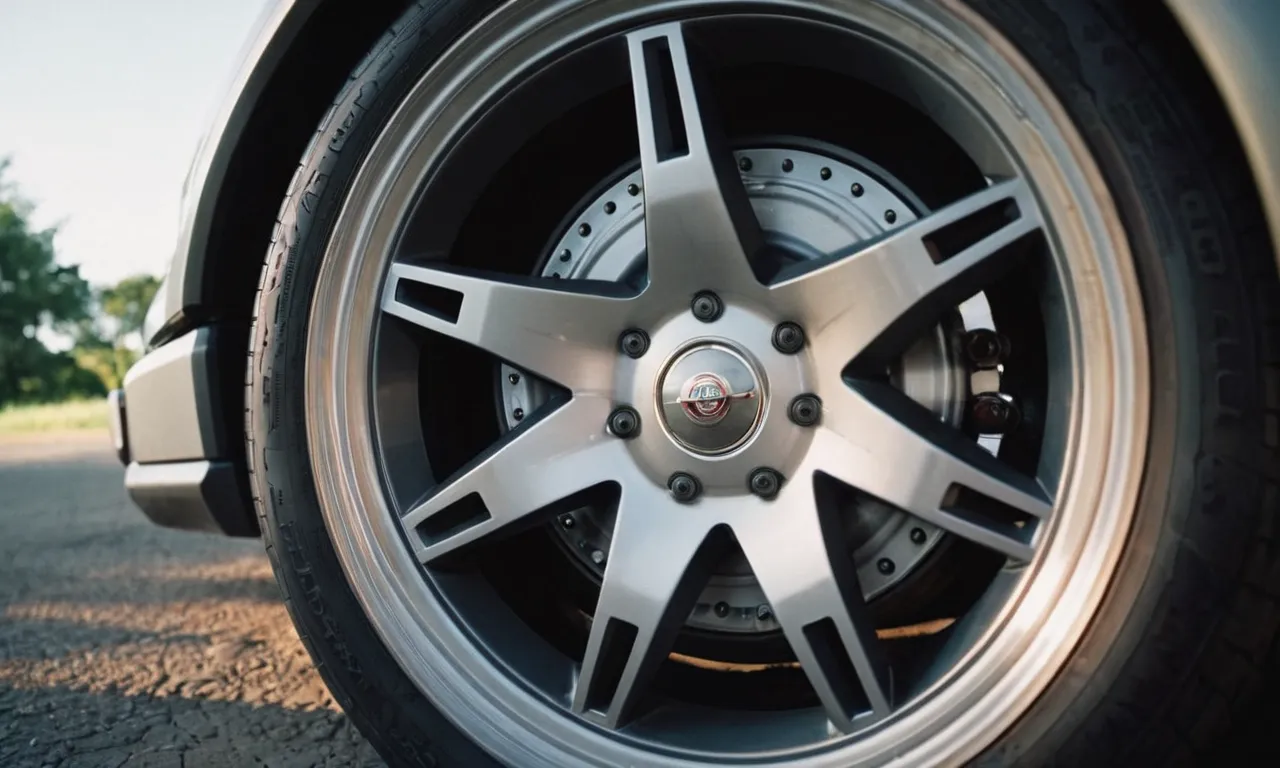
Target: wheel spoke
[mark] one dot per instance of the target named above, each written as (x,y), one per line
(566,333)
(699,226)
(546,460)
(906,279)
(812,586)
(659,561)
(878,441)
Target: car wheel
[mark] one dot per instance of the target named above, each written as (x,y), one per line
(820,382)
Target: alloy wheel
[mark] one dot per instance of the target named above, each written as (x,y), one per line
(722,342)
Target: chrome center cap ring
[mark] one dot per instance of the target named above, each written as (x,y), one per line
(711,398)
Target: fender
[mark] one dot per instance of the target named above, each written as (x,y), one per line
(1236,45)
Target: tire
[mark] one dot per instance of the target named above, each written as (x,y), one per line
(1174,654)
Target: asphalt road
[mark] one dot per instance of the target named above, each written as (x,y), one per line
(123,644)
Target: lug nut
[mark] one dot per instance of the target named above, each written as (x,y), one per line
(918,536)
(634,343)
(764,613)
(744,163)
(684,487)
(805,410)
(992,414)
(706,306)
(722,609)
(788,338)
(624,422)
(985,348)
(597,556)
(764,482)
(567,521)
(514,378)
(885,566)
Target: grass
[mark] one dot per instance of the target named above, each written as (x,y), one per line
(54,417)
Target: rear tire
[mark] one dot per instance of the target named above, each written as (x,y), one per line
(1174,654)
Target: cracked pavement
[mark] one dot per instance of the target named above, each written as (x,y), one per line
(125,644)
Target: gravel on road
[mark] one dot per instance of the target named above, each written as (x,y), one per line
(125,644)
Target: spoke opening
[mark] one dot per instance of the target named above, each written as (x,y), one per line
(430,299)
(617,642)
(832,660)
(467,512)
(670,137)
(957,236)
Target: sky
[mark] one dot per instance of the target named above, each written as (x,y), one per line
(102,103)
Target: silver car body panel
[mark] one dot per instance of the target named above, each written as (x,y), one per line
(1236,43)
(275,31)
(173,392)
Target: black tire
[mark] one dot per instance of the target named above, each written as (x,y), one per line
(1175,653)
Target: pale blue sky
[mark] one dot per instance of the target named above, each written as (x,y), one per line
(101,105)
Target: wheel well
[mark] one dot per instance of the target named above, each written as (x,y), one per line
(327,49)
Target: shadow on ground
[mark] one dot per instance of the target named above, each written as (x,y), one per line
(125,644)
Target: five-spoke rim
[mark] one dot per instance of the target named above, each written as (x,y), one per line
(701,235)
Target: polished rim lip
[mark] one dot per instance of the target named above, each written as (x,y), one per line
(999,677)
(761,396)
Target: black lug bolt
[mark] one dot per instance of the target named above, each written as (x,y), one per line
(764,613)
(584,229)
(856,190)
(567,521)
(706,306)
(885,566)
(992,414)
(609,207)
(634,343)
(788,338)
(684,487)
(518,414)
(805,410)
(918,536)
(514,378)
(787,165)
(744,163)
(633,189)
(890,215)
(624,422)
(722,609)
(985,348)
(565,255)
(764,482)
(825,173)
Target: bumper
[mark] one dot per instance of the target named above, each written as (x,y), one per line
(184,471)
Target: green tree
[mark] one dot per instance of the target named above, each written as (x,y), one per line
(127,303)
(35,292)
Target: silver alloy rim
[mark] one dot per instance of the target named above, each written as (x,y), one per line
(1032,614)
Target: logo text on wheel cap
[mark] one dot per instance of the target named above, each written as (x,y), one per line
(707,398)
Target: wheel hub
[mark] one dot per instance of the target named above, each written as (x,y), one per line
(711,399)
(810,204)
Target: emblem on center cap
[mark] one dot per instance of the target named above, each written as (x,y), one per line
(708,397)
(711,398)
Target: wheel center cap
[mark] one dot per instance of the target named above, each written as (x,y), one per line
(711,399)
